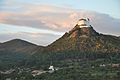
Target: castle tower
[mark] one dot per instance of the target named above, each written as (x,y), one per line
(83,23)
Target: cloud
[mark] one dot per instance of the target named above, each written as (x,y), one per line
(58,18)
(43,16)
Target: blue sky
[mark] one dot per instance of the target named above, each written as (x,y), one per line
(55,17)
(111,7)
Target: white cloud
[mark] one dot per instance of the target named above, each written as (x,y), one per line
(59,19)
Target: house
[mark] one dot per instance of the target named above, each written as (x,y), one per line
(51,68)
(102,65)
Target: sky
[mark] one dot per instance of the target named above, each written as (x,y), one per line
(43,21)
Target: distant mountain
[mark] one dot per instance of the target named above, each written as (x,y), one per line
(15,52)
(20,46)
(84,38)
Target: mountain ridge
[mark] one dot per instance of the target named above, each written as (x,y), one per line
(80,43)
(83,38)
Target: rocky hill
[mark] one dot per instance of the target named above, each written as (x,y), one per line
(85,39)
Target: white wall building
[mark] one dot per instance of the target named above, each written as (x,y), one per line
(83,23)
(51,68)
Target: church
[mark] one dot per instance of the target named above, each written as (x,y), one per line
(83,22)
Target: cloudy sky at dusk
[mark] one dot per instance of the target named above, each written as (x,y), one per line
(44,21)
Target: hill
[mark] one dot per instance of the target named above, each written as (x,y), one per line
(20,46)
(15,52)
(85,39)
(79,44)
